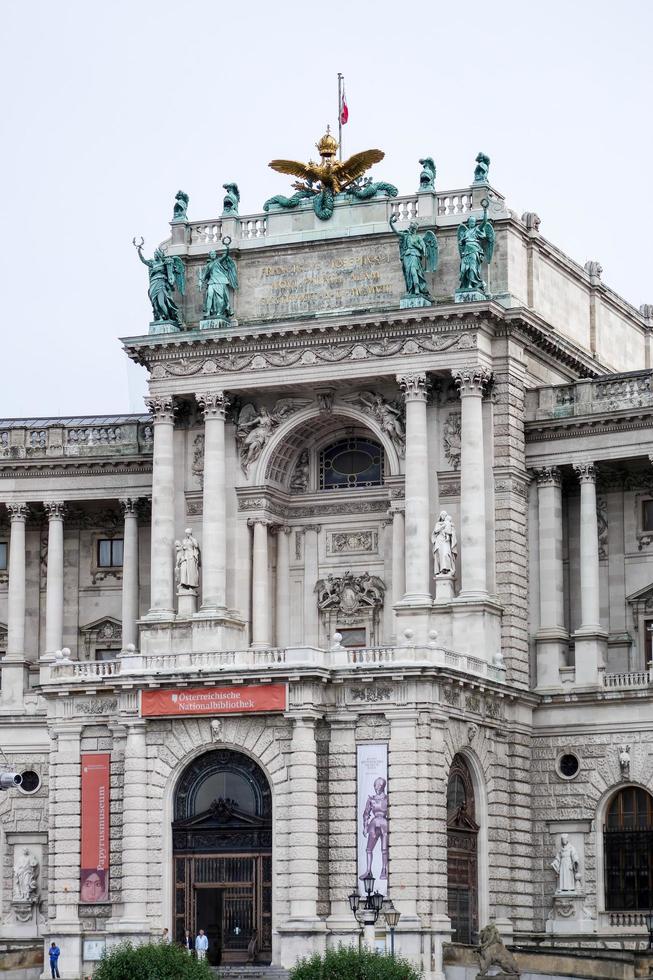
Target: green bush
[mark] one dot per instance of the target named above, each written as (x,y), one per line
(154,961)
(348,963)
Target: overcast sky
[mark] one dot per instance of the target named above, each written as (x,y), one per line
(108,109)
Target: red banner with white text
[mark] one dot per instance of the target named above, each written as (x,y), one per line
(96,782)
(213,700)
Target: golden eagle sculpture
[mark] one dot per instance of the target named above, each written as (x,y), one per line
(324,180)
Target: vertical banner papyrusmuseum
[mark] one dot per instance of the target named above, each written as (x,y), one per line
(372,814)
(94,874)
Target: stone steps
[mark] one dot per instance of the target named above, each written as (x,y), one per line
(255,972)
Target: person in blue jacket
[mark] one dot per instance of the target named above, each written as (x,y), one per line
(54,953)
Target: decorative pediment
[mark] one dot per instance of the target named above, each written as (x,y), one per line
(106,631)
(461,820)
(223,814)
(642,600)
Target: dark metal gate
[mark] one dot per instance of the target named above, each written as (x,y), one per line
(462,854)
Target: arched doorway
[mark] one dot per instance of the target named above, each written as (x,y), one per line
(222,857)
(628,851)
(462,853)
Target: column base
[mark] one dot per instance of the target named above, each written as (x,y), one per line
(552,646)
(158,616)
(590,649)
(14,681)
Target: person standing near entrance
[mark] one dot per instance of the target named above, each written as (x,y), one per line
(188,942)
(201,945)
(54,952)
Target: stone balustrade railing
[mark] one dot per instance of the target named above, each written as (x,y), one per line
(623,920)
(627,680)
(135,663)
(98,436)
(619,392)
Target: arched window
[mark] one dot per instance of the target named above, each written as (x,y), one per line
(462,853)
(628,851)
(350,464)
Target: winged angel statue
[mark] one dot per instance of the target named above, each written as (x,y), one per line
(475,244)
(166,274)
(218,276)
(254,427)
(414,250)
(322,181)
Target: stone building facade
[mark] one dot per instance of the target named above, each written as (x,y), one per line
(309,445)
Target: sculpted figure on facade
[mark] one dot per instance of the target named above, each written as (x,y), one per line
(427,176)
(388,414)
(299,478)
(493,953)
(445,545)
(166,274)
(566,865)
(231,199)
(475,245)
(218,276)
(349,592)
(416,252)
(624,761)
(188,561)
(180,209)
(482,169)
(255,426)
(375,827)
(26,877)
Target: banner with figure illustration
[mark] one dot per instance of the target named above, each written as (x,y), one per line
(96,781)
(372,814)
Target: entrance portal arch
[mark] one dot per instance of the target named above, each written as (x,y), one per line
(222,856)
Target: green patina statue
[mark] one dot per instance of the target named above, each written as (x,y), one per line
(475,245)
(482,169)
(231,199)
(166,273)
(179,212)
(363,190)
(218,276)
(416,251)
(279,200)
(427,176)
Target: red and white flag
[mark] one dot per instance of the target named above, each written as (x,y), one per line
(344,111)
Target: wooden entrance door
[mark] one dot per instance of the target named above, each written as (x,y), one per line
(462,854)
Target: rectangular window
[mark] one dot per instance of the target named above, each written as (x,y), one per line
(647,515)
(104,655)
(3,556)
(353,637)
(109,553)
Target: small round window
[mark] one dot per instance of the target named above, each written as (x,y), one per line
(31,781)
(351,464)
(568,765)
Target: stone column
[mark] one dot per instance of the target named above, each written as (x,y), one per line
(398,556)
(163,511)
(471,382)
(130,572)
(64,835)
(14,663)
(260,584)
(303,820)
(283,586)
(54,581)
(134,830)
(311,569)
(590,638)
(214,518)
(551,638)
(417,533)
(343,819)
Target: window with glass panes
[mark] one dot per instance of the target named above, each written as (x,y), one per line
(109,552)
(3,555)
(628,851)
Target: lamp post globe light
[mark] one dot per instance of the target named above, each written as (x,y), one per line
(367,911)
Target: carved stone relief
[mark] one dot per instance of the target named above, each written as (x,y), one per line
(451,439)
(352,542)
(197,466)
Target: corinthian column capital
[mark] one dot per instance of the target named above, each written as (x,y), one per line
(472,380)
(129,506)
(586,472)
(548,476)
(414,385)
(161,408)
(18,512)
(55,509)
(214,404)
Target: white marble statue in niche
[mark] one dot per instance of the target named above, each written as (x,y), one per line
(188,562)
(566,865)
(445,545)
(26,877)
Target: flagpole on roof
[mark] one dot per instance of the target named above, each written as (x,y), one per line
(340,77)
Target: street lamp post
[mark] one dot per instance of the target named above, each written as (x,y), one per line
(367,911)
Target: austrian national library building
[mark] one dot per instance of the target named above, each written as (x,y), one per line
(366,589)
